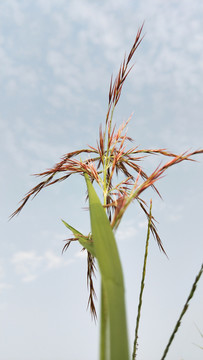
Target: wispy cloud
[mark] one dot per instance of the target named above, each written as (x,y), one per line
(81,254)
(66,59)
(127,231)
(1,271)
(28,265)
(99,33)
(4,286)
(54,261)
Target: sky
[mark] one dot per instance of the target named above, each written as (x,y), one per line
(56,61)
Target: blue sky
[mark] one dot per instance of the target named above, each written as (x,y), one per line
(56,60)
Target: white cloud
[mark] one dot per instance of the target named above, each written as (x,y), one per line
(1,271)
(81,254)
(143,224)
(48,5)
(175,213)
(26,147)
(126,232)
(17,76)
(54,261)
(28,278)
(176,45)
(4,286)
(16,9)
(28,265)
(10,144)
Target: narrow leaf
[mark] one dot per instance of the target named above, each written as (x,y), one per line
(83,240)
(112,276)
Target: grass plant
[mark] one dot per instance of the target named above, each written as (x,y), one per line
(116,169)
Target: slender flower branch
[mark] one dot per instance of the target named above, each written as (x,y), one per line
(142,286)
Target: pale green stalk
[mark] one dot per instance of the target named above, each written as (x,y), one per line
(107,157)
(142,285)
(103,326)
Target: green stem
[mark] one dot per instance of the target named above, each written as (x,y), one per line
(104,345)
(107,157)
(142,286)
(103,327)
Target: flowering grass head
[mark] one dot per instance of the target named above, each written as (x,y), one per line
(115,165)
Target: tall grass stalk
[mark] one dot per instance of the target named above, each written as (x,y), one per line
(135,344)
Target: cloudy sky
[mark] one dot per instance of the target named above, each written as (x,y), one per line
(56,60)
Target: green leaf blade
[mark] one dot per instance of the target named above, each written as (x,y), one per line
(112,276)
(87,244)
